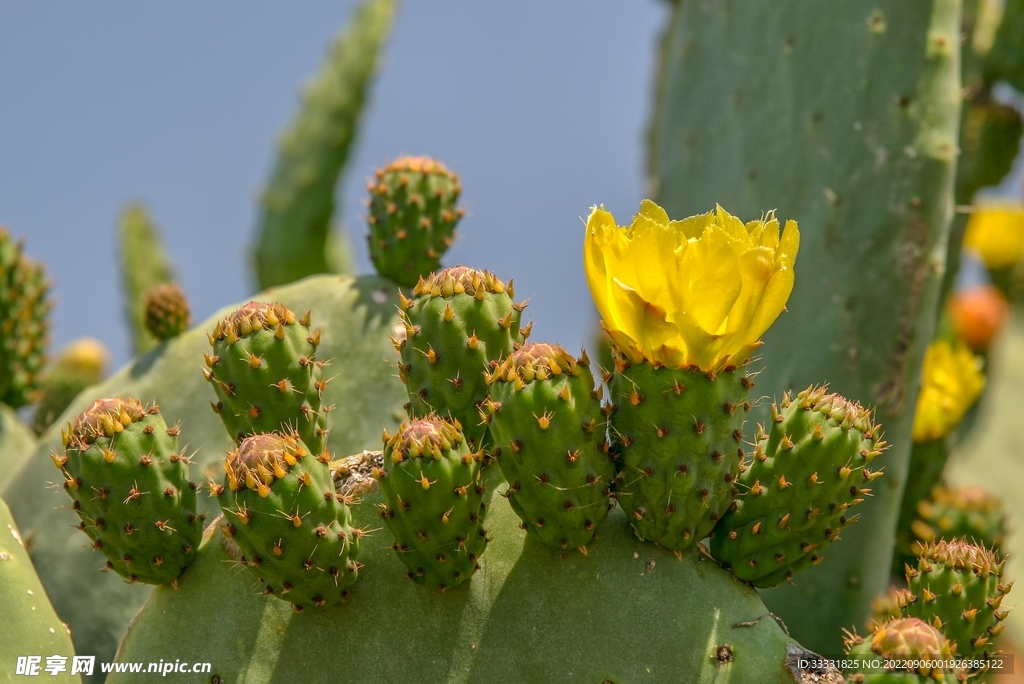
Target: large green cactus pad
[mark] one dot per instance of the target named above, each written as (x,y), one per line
(627,612)
(29,625)
(357,317)
(754,114)
(16,443)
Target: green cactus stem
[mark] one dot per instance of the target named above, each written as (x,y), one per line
(293,238)
(145,264)
(266,375)
(295,534)
(458,324)
(412,217)
(24,328)
(128,482)
(807,473)
(546,422)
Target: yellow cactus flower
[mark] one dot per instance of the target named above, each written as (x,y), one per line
(696,292)
(951,382)
(995,232)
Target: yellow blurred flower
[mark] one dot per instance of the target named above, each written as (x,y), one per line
(696,292)
(951,382)
(995,232)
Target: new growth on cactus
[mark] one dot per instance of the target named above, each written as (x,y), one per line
(167,313)
(24,306)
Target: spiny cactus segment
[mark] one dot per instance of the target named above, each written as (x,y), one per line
(433,501)
(128,481)
(412,219)
(24,328)
(167,312)
(910,646)
(294,532)
(458,324)
(264,370)
(545,419)
(679,435)
(808,471)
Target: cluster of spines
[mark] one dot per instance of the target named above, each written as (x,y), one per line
(806,474)
(266,375)
(957,587)
(914,652)
(545,418)
(24,329)
(282,511)
(167,312)
(412,217)
(455,328)
(676,477)
(129,485)
(433,501)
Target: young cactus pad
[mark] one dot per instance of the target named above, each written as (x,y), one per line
(958,587)
(24,307)
(266,375)
(280,508)
(167,313)
(546,422)
(806,474)
(458,324)
(128,481)
(903,639)
(412,217)
(680,437)
(433,501)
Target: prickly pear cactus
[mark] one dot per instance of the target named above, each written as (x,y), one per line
(665,616)
(433,506)
(412,218)
(128,482)
(16,444)
(294,237)
(358,317)
(24,306)
(958,587)
(458,324)
(167,313)
(145,264)
(807,472)
(865,164)
(907,639)
(676,479)
(280,508)
(30,626)
(546,422)
(266,374)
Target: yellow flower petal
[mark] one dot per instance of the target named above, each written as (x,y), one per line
(711,280)
(951,381)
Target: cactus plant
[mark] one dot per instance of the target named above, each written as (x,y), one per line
(166,311)
(145,264)
(865,164)
(902,639)
(24,306)
(16,444)
(294,236)
(412,217)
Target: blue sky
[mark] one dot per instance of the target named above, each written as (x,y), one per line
(540,106)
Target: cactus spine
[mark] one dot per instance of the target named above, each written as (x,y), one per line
(902,639)
(546,422)
(128,481)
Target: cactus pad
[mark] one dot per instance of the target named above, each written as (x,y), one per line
(807,472)
(167,311)
(266,375)
(129,484)
(24,306)
(412,217)
(295,534)
(680,435)
(905,639)
(958,588)
(458,324)
(546,421)
(433,501)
